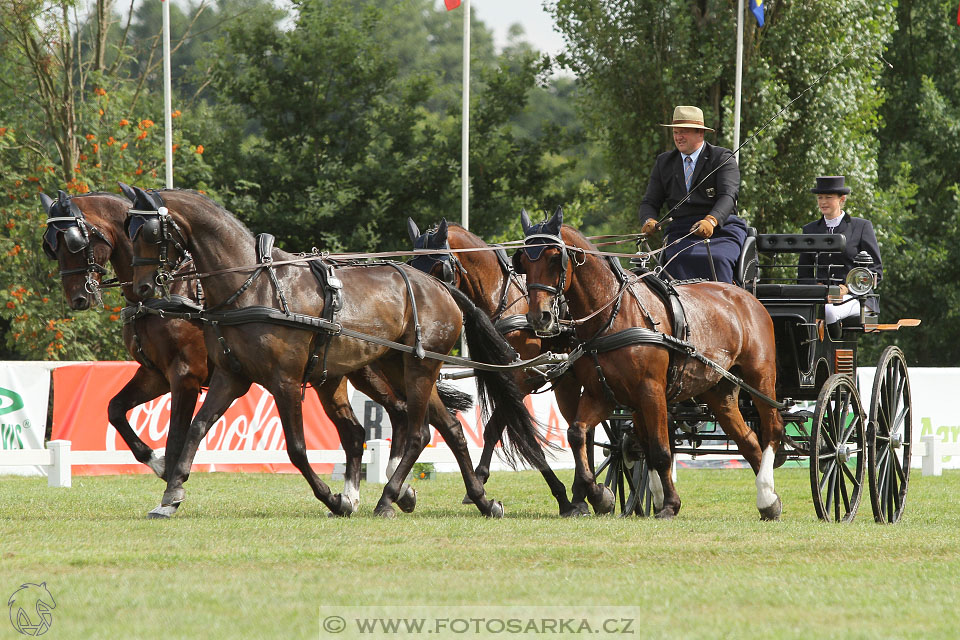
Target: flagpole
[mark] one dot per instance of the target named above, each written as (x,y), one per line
(736,91)
(465,133)
(167,118)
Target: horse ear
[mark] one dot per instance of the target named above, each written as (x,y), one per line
(442,232)
(555,222)
(142,198)
(525,221)
(413,230)
(62,196)
(47,202)
(128,191)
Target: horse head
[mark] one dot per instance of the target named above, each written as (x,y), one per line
(159,244)
(443,266)
(545,260)
(81,245)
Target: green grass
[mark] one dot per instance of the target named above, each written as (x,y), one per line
(255,556)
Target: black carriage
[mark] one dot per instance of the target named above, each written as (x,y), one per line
(849,449)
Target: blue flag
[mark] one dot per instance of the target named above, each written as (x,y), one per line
(756,6)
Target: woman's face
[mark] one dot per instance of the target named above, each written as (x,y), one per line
(830,204)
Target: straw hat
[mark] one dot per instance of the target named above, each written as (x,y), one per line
(688,118)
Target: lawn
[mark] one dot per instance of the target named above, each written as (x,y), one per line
(254,556)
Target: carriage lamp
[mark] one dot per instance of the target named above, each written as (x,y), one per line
(860,281)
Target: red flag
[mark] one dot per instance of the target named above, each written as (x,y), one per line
(451,4)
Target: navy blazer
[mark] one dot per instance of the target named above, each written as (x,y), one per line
(859,237)
(717,196)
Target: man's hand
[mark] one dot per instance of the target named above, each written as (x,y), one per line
(704,228)
(648,227)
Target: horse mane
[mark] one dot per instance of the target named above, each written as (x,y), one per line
(578,237)
(226,216)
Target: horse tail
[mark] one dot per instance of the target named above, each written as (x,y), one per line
(524,439)
(454,399)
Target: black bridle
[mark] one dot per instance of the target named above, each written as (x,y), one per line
(534,246)
(67,220)
(159,228)
(450,267)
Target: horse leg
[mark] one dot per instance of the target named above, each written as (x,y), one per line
(145,385)
(224,389)
(722,401)
(452,432)
(183,401)
(650,425)
(373,382)
(336,404)
(590,411)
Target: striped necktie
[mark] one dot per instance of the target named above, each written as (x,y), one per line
(688,171)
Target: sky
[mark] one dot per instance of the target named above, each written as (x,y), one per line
(537,23)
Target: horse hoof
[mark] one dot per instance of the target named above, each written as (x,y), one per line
(665,514)
(579,509)
(408,500)
(162,512)
(157,464)
(606,502)
(496,510)
(345,509)
(387,512)
(773,511)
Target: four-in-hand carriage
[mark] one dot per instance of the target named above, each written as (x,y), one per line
(850,447)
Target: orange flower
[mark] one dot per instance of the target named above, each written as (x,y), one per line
(46,299)
(10,225)
(175,114)
(100,111)
(100,91)
(138,171)
(175,147)
(145,124)
(200,149)
(3,130)
(11,305)
(124,122)
(123,146)
(110,141)
(13,252)
(58,335)
(33,179)
(96,147)
(114,317)
(90,136)
(143,134)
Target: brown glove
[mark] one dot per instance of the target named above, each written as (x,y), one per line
(648,227)
(704,228)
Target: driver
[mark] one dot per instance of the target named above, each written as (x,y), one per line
(712,175)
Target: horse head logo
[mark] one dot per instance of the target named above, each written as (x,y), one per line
(30,607)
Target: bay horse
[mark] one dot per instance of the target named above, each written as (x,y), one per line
(726,324)
(389,303)
(86,232)
(490,282)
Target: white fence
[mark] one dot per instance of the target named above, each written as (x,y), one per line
(58,459)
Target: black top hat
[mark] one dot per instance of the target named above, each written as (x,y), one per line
(830,184)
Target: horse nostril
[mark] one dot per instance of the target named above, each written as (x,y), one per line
(145,291)
(80,303)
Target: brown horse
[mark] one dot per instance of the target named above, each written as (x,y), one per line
(490,282)
(727,325)
(83,234)
(280,330)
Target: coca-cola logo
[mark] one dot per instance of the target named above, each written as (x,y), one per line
(251,423)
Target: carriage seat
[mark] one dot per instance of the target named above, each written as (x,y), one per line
(748,264)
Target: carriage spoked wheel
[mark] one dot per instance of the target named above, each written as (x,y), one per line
(891,420)
(838,450)
(624,470)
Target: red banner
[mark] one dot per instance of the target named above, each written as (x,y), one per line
(82,392)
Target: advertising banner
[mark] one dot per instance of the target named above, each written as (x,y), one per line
(82,393)
(24,390)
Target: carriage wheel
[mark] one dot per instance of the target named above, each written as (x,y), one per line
(891,419)
(624,470)
(838,450)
